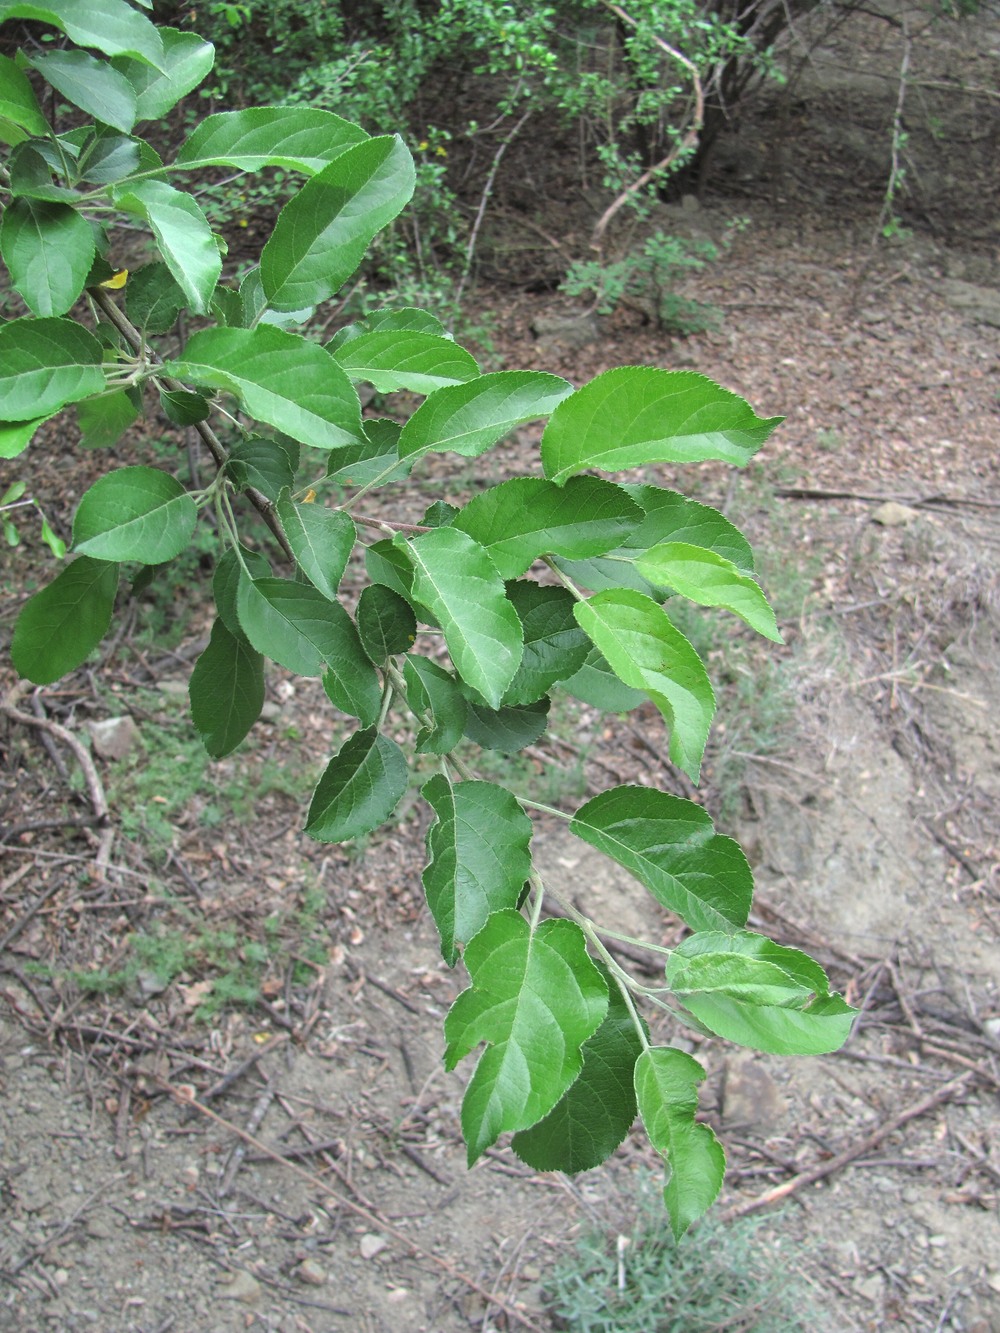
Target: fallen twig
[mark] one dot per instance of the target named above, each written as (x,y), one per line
(235,1159)
(341,1200)
(914,502)
(842,1159)
(95,788)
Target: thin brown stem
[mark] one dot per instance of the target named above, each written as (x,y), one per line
(216,448)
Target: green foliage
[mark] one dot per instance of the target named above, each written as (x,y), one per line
(722,1276)
(472,618)
(647,280)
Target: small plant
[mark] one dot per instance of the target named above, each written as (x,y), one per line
(472,617)
(648,281)
(719,1277)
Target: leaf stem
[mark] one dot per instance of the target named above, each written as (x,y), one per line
(567,583)
(212,442)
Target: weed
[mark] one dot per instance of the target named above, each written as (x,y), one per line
(651,276)
(719,1277)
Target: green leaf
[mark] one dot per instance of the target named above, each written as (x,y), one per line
(281,378)
(535,998)
(666,1082)
(669,516)
(187,59)
(17,99)
(671,846)
(386,623)
(520,520)
(60,626)
(479,858)
(226,581)
(359,790)
(434,693)
(710,580)
(636,415)
(407,319)
(469,418)
(506,729)
(592,1118)
(45,364)
(294,624)
(185,239)
(184,408)
(106,157)
(48,249)
(672,517)
(226,691)
(91,84)
(104,420)
(55,544)
(389,565)
(420,362)
(111,26)
(458,583)
(153,300)
(15,436)
(31,172)
(596,684)
(296,138)
(554,645)
(748,989)
(260,463)
(647,652)
(350,681)
(322,233)
(134,513)
(321,540)
(375,459)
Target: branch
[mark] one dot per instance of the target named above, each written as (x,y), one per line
(214,445)
(689,141)
(928,1103)
(95,788)
(484,200)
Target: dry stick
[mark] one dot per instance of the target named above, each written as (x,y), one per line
(22,921)
(234,1075)
(689,140)
(95,789)
(484,200)
(842,1159)
(215,447)
(915,502)
(239,1152)
(367,1214)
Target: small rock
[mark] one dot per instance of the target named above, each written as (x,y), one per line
(993,1282)
(271,712)
(98,1229)
(150,983)
(991,1026)
(371,1244)
(242,1286)
(397,1295)
(893,515)
(576,329)
(750,1095)
(870,1288)
(114,737)
(310,1271)
(174,688)
(980,304)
